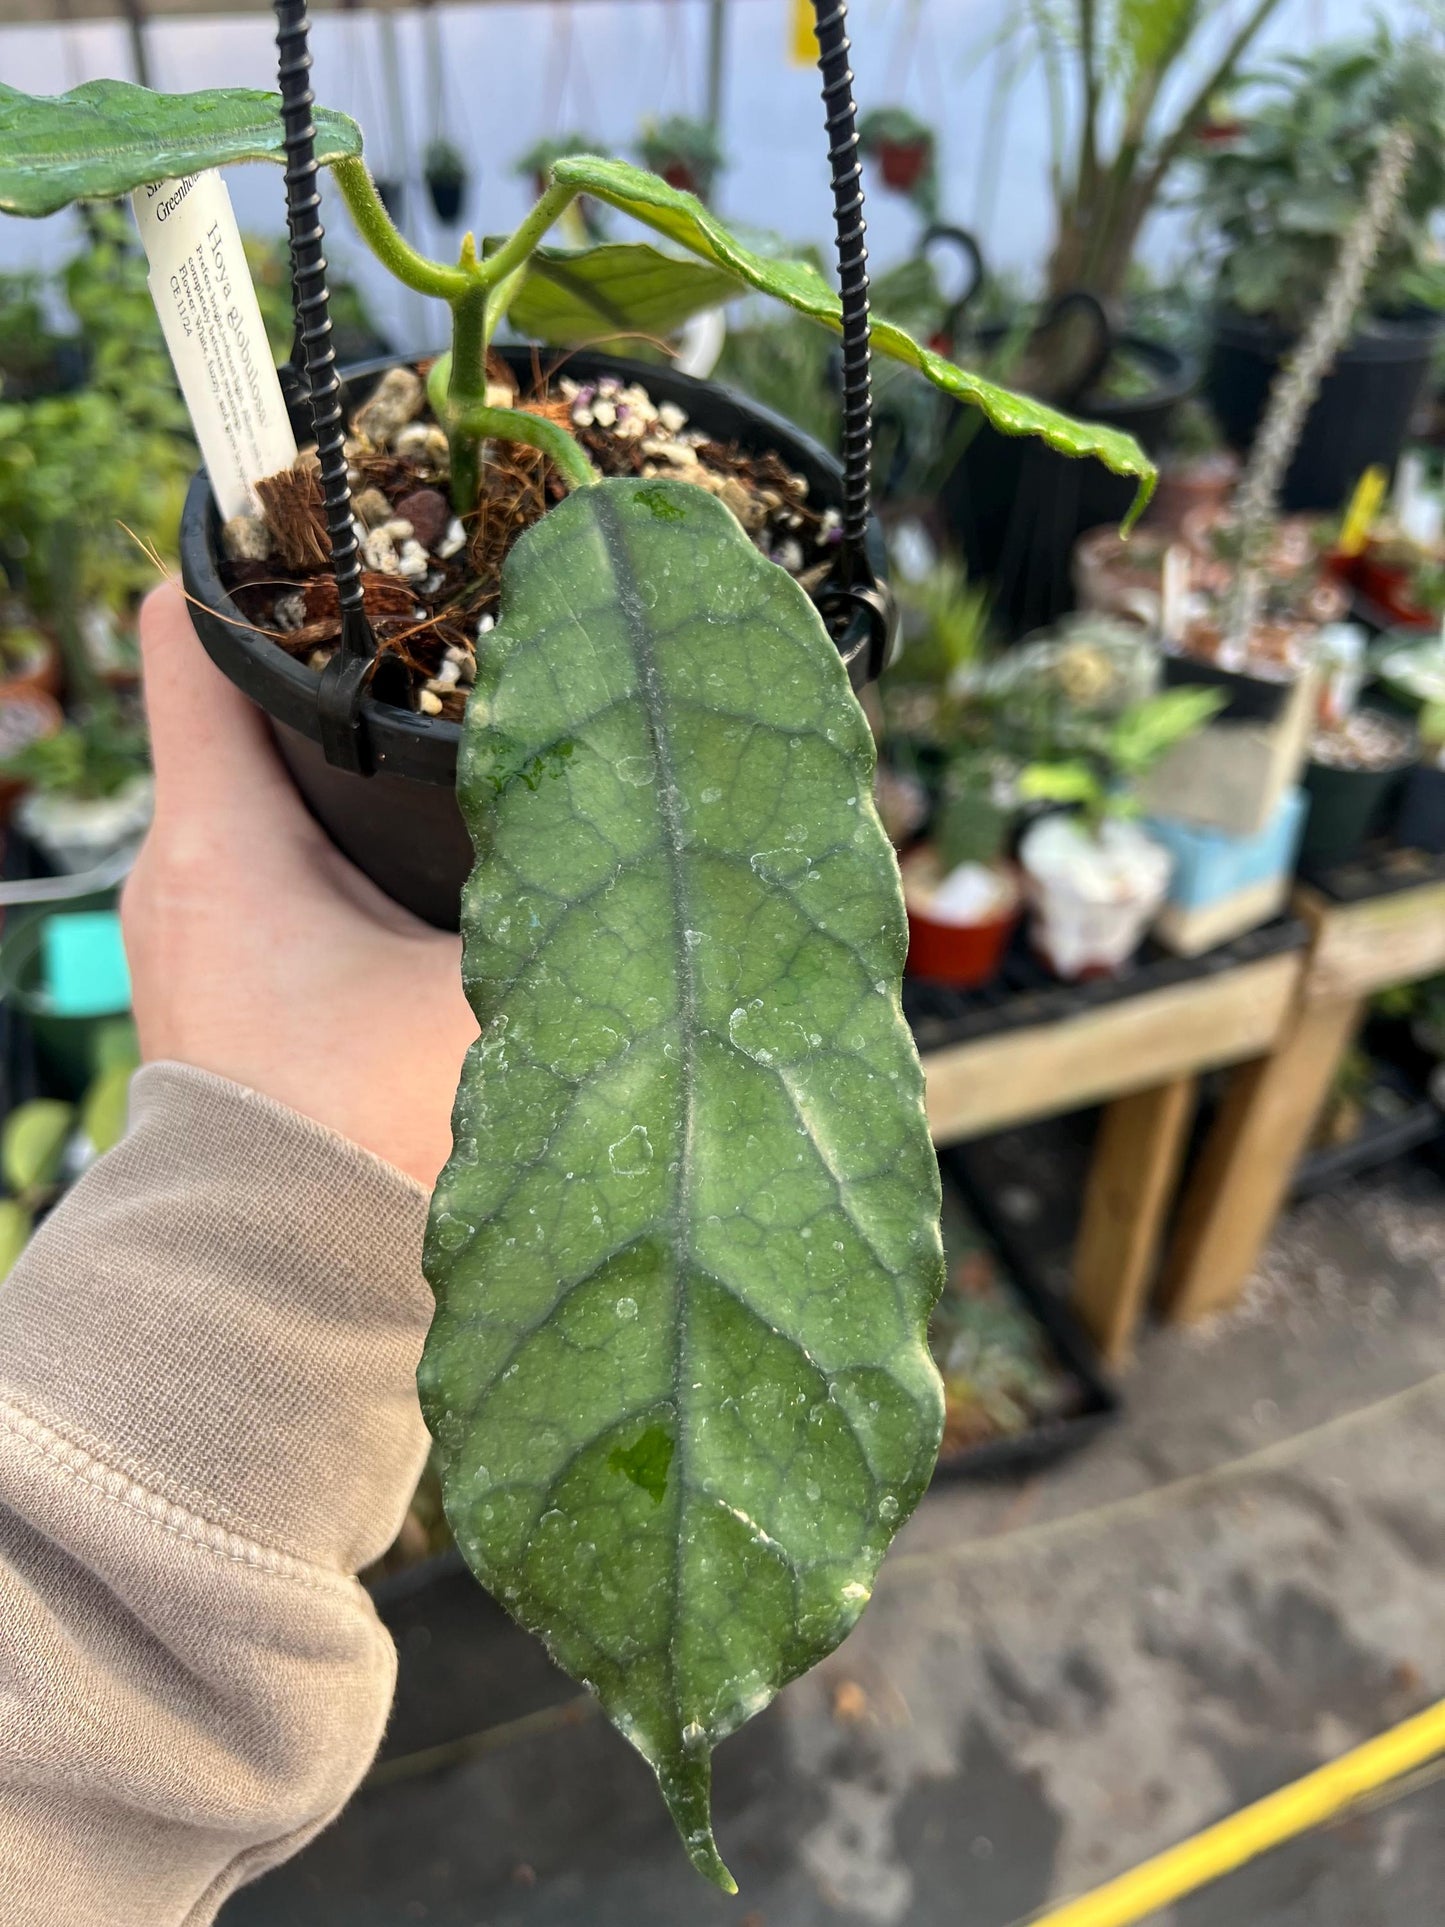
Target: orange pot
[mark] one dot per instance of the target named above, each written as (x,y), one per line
(960,956)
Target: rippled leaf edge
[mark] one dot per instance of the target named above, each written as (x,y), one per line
(684,219)
(110,136)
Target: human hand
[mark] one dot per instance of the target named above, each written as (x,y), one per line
(257,951)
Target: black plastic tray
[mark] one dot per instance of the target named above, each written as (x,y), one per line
(1380,870)
(1026,992)
(1379,1142)
(1042,1444)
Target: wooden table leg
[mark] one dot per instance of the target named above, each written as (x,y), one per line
(1235,1194)
(1131,1184)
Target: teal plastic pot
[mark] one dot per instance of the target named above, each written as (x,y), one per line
(66,1046)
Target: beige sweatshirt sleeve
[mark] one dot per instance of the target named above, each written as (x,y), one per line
(208,1425)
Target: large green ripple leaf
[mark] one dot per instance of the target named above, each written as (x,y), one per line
(620,287)
(110,136)
(684,219)
(687,1242)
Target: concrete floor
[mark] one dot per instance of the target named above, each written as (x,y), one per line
(1057,1676)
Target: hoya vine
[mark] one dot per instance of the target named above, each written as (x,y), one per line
(686,1246)
(109,136)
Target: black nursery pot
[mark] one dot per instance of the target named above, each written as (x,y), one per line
(1247,699)
(1421,824)
(401,825)
(1361,415)
(1346,807)
(446,191)
(1016,507)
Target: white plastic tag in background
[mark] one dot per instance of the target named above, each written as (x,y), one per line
(202,289)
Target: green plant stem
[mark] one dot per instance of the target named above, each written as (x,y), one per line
(376,228)
(523,242)
(516,425)
(478,293)
(466,389)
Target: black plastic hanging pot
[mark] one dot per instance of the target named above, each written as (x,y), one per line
(401,824)
(447,187)
(1015,507)
(1361,416)
(392,195)
(380,778)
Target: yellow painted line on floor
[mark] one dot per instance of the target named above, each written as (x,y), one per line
(1281,1816)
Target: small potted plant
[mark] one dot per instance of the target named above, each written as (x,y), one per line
(684,152)
(1278,201)
(1410,668)
(88,786)
(1259,663)
(1126,108)
(1197,472)
(29,654)
(1095,876)
(962,897)
(444,170)
(27,717)
(905,150)
(1422,809)
(1356,769)
(666,782)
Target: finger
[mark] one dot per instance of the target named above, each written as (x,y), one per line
(209,743)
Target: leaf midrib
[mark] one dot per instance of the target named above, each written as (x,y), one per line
(671,832)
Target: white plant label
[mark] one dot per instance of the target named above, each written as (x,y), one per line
(202,289)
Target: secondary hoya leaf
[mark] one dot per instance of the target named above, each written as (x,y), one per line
(684,219)
(618,288)
(109,136)
(687,1242)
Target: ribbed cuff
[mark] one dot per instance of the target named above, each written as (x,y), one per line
(228,1310)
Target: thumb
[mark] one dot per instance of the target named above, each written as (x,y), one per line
(209,743)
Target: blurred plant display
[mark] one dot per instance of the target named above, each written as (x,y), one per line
(905,150)
(685,152)
(47,1142)
(354,333)
(81,468)
(1112,73)
(1277,198)
(101,748)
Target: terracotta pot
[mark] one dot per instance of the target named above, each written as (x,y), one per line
(42,672)
(960,956)
(1120,577)
(903,163)
(1185,488)
(1385,587)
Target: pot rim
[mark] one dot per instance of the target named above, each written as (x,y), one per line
(922,855)
(1374,338)
(403,741)
(1177,370)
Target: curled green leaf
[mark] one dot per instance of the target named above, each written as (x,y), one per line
(684,219)
(687,1242)
(109,136)
(618,289)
